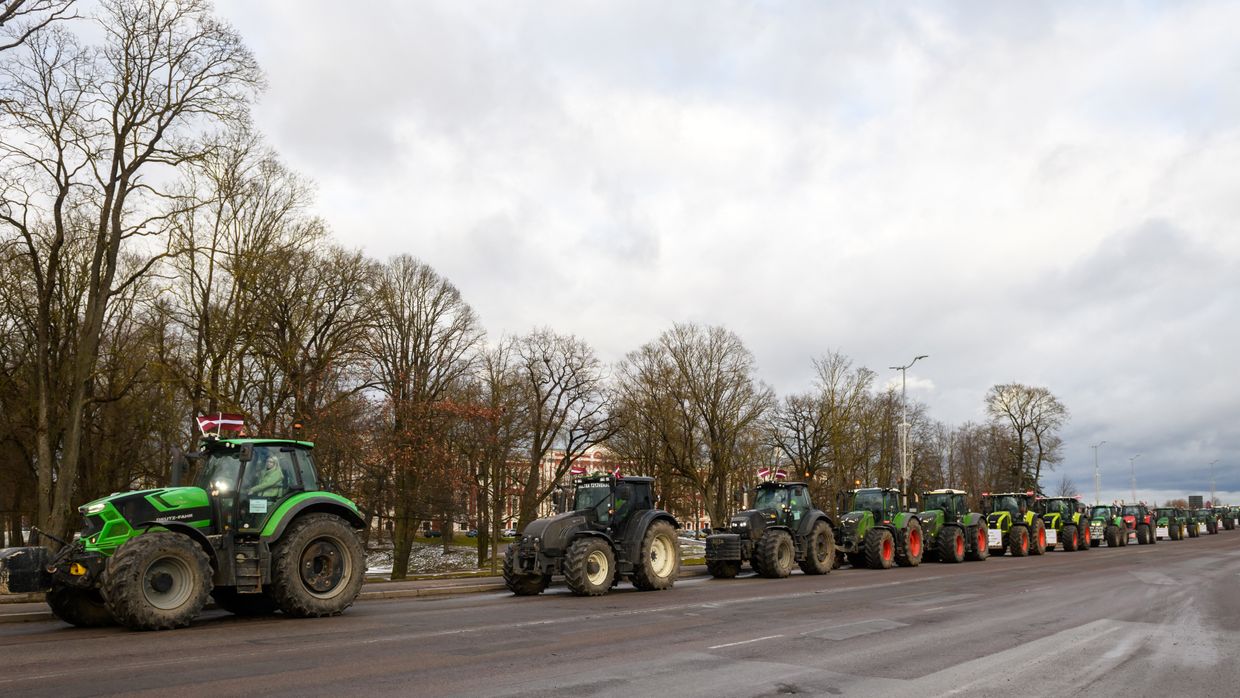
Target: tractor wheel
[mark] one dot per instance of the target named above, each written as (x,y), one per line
(1018,541)
(820,550)
(1037,537)
(228,599)
(951,544)
(1069,535)
(521,583)
(1084,540)
(659,561)
(857,560)
(880,549)
(1151,534)
(1229,524)
(1143,535)
(773,555)
(589,566)
(981,540)
(723,569)
(1112,535)
(1194,531)
(84,608)
(157,581)
(317,567)
(914,545)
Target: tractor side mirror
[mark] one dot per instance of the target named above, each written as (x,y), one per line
(247,453)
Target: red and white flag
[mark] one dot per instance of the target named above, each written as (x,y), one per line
(220,422)
(576,469)
(781,474)
(764,471)
(615,471)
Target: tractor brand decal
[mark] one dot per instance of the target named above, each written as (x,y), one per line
(994,538)
(175,517)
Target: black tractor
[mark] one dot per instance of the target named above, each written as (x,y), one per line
(782,528)
(613,532)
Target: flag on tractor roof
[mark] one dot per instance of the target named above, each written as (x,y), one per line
(220,422)
(780,474)
(764,471)
(576,469)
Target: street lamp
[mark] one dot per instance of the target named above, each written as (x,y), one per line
(904,418)
(1213,496)
(1097,476)
(1132,466)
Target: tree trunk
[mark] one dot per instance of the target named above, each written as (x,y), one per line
(402,541)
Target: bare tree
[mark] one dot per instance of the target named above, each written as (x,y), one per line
(1066,488)
(1033,417)
(566,409)
(100,130)
(21,19)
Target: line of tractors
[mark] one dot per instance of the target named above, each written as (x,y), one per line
(258,533)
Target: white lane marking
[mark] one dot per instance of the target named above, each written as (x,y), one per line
(744,642)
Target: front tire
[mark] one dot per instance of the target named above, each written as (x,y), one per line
(951,544)
(1069,533)
(909,554)
(317,567)
(879,549)
(981,549)
(157,581)
(521,583)
(1018,541)
(589,566)
(821,550)
(84,608)
(1037,537)
(659,564)
(773,555)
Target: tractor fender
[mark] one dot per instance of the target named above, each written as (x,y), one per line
(972,519)
(813,517)
(177,527)
(636,530)
(311,505)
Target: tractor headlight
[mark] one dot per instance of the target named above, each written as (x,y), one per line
(95,508)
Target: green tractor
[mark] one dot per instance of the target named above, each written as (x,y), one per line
(1065,524)
(783,527)
(1170,523)
(1107,525)
(1014,525)
(1207,521)
(612,532)
(255,531)
(876,531)
(1228,517)
(957,534)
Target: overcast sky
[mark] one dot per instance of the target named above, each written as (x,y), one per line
(1045,194)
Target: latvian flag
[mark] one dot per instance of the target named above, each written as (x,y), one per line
(764,472)
(576,469)
(220,422)
(780,474)
(615,472)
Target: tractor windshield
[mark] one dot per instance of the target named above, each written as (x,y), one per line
(1132,511)
(771,498)
(1063,507)
(940,501)
(1100,513)
(595,496)
(1167,513)
(219,473)
(1005,503)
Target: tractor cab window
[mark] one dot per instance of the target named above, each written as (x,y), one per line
(1100,513)
(1006,503)
(594,497)
(270,475)
(771,498)
(799,500)
(869,501)
(944,502)
(219,473)
(1132,511)
(1059,506)
(891,504)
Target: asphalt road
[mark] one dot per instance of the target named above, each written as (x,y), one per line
(1142,621)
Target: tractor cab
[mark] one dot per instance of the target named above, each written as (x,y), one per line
(1063,506)
(783,503)
(882,503)
(609,501)
(951,502)
(246,480)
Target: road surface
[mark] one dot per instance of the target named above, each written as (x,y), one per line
(1141,620)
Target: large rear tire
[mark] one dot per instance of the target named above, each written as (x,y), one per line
(522,583)
(259,604)
(1037,537)
(723,569)
(879,549)
(820,550)
(317,567)
(659,564)
(980,550)
(773,555)
(1086,539)
(1143,535)
(589,566)
(951,544)
(84,608)
(157,581)
(913,545)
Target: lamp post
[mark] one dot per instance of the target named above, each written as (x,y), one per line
(1097,476)
(1213,496)
(904,419)
(1132,466)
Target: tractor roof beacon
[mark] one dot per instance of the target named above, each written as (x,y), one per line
(782,528)
(612,532)
(255,530)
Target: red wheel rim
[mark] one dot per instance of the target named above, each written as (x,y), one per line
(959,546)
(1024,544)
(981,539)
(1041,537)
(887,549)
(914,542)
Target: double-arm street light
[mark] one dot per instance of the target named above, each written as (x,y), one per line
(1097,476)
(1132,466)
(904,420)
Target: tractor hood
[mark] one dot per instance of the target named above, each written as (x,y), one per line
(554,532)
(752,522)
(109,520)
(164,499)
